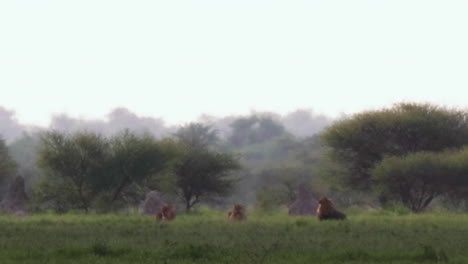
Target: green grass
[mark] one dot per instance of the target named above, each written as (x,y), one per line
(207,237)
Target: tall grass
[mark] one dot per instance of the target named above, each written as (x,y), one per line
(207,237)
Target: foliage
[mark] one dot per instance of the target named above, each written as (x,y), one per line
(24,152)
(366,138)
(414,179)
(254,129)
(7,165)
(56,193)
(456,183)
(279,161)
(84,169)
(76,162)
(284,180)
(134,159)
(272,197)
(277,182)
(201,174)
(417,179)
(197,136)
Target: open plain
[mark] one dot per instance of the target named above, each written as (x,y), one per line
(207,237)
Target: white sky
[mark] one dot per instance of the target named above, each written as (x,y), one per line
(178,59)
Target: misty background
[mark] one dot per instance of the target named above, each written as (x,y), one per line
(300,123)
(271,147)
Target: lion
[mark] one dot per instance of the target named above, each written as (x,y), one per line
(167,213)
(326,211)
(237,214)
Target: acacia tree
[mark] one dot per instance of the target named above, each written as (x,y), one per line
(82,169)
(417,179)
(362,141)
(202,174)
(414,180)
(456,183)
(71,164)
(134,159)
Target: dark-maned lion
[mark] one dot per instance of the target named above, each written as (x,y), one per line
(326,211)
(237,214)
(167,213)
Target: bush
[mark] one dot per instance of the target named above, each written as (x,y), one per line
(417,179)
(365,139)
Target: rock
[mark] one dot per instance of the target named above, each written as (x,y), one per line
(15,198)
(305,204)
(153,203)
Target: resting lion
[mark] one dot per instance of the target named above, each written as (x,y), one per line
(237,214)
(166,213)
(326,211)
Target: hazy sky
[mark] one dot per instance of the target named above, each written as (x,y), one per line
(177,59)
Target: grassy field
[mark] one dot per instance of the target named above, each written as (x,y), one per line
(207,237)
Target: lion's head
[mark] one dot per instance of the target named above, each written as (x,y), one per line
(326,211)
(238,208)
(167,212)
(237,213)
(325,206)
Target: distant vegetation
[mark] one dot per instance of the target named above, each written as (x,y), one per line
(412,155)
(80,165)
(408,153)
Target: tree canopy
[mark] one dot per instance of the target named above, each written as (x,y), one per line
(202,173)
(197,136)
(418,178)
(363,140)
(73,165)
(82,168)
(254,129)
